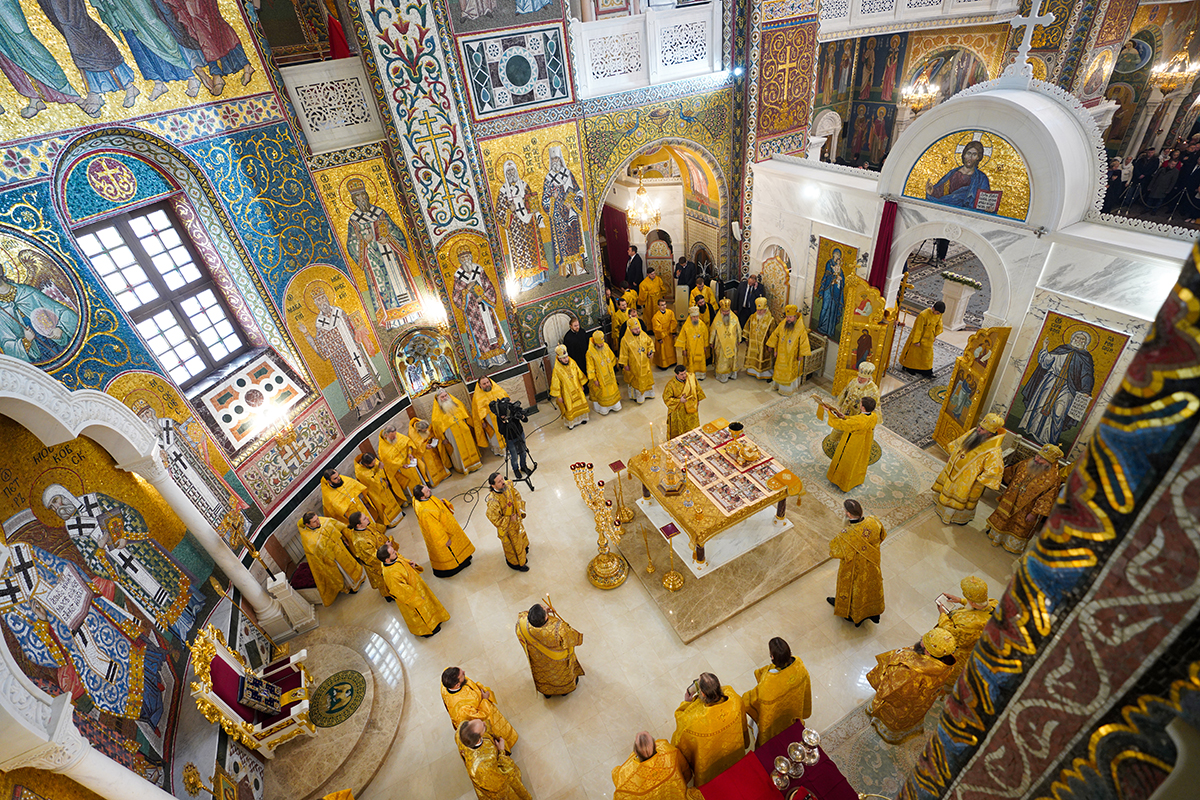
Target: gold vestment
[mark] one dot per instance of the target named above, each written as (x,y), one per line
(602,380)
(340,502)
(961,482)
(758,328)
(683,405)
(400,460)
(711,738)
(469,703)
(664,325)
(429,456)
(790,347)
(781,697)
(454,429)
(859,580)
(848,468)
(364,545)
(650,290)
(1026,494)
(906,684)
(325,552)
(445,540)
(692,341)
(382,501)
(420,608)
(918,350)
(506,510)
(566,388)
(965,625)
(636,352)
(551,653)
(724,338)
(662,776)
(494,775)
(483,416)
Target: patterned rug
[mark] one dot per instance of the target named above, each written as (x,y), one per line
(871,765)
(944,354)
(926,278)
(896,487)
(912,410)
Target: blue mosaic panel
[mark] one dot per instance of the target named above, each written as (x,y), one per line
(515,70)
(107,182)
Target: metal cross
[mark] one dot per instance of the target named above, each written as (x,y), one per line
(1030,23)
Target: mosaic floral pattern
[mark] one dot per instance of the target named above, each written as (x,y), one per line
(273,469)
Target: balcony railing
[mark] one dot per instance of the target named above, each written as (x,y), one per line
(842,17)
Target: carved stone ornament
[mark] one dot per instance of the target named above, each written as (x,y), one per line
(952,231)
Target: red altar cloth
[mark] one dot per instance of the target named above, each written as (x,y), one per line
(750,778)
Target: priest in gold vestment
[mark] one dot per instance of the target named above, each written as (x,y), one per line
(465,699)
(917,357)
(453,425)
(848,468)
(620,319)
(859,593)
(655,770)
(705,291)
(907,682)
(725,336)
(449,548)
(664,325)
(381,499)
(783,694)
(506,510)
(341,495)
(602,378)
(637,348)
(710,728)
(399,457)
(1031,489)
(334,570)
(966,624)
(566,388)
(682,396)
(493,773)
(692,342)
(428,449)
(651,289)
(975,462)
(755,332)
(549,644)
(789,341)
(363,542)
(486,432)
(423,613)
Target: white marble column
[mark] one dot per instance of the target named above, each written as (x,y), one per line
(266,608)
(1139,129)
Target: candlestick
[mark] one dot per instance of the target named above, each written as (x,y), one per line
(672,581)
(649,561)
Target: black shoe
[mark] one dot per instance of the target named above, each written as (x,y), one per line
(435,630)
(831,601)
(546,696)
(874,619)
(389,599)
(859,623)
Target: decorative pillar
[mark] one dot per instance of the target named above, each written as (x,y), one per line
(1153,101)
(298,610)
(270,614)
(1174,100)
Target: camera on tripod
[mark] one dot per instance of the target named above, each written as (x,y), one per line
(509,416)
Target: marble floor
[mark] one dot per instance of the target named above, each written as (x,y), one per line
(636,667)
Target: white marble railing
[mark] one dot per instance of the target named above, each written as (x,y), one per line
(622,53)
(840,18)
(334,104)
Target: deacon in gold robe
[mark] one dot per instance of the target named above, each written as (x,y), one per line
(453,424)
(907,682)
(465,699)
(859,592)
(789,341)
(966,624)
(710,728)
(783,694)
(630,296)
(364,542)
(566,388)
(381,499)
(725,336)
(423,613)
(334,570)
(620,318)
(853,454)
(449,548)
(975,462)
(655,770)
(549,644)
(493,773)
(399,457)
(506,510)
(755,332)
(602,379)
(428,451)
(341,496)
(705,291)
(664,325)
(1031,488)
(917,357)
(682,396)
(692,342)
(486,433)
(637,348)
(651,289)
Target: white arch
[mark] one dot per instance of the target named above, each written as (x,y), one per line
(829,123)
(993,264)
(774,241)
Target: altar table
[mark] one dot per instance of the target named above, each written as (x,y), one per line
(750,778)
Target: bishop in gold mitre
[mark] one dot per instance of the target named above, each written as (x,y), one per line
(449,548)
(663,325)
(848,468)
(429,454)
(859,593)
(340,496)
(334,570)
(692,344)
(566,388)
(917,356)
(757,329)
(682,396)
(602,378)
(975,462)
(423,613)
(1031,487)
(549,644)
(860,386)
(381,499)
(907,682)
(506,510)
(487,434)
(493,773)
(783,694)
(465,699)
(452,424)
(637,348)
(725,334)
(966,624)
(400,459)
(790,343)
(363,542)
(655,770)
(710,728)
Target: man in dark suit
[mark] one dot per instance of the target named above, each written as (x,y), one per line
(633,269)
(685,273)
(1144,167)
(747,292)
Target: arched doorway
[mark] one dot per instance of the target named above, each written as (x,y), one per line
(554,327)
(828,124)
(926,268)
(776,276)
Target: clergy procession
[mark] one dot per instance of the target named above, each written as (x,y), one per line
(715,724)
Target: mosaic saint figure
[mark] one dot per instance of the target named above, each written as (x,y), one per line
(94,53)
(530,6)
(218,42)
(29,66)
(158,54)
(474,9)
(847,62)
(475,294)
(829,74)
(34,327)
(877,142)
(562,199)
(960,186)
(517,213)
(889,70)
(868,69)
(334,339)
(829,321)
(377,244)
(861,129)
(1058,389)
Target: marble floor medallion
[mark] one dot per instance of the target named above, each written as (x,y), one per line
(337,698)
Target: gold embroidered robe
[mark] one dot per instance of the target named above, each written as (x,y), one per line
(724,338)
(848,468)
(436,518)
(758,328)
(602,380)
(494,775)
(325,552)
(566,389)
(664,325)
(918,350)
(1026,494)
(551,653)
(692,341)
(859,591)
(364,545)
(662,776)
(420,608)
(454,429)
(636,352)
(906,684)
(340,502)
(483,416)
(683,405)
(711,738)
(650,290)
(400,459)
(506,510)
(429,455)
(966,626)
(781,697)
(961,482)
(384,504)
(469,703)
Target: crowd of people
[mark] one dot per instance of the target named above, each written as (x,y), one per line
(1157,181)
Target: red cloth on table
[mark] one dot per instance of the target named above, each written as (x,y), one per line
(824,778)
(745,780)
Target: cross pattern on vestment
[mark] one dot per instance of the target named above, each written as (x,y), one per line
(128,562)
(24,567)
(1030,23)
(433,138)
(10,593)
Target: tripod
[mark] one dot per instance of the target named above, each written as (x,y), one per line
(518,445)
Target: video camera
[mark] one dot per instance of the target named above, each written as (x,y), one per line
(509,416)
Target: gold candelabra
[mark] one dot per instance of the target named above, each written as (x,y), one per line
(624,513)
(607,570)
(233,527)
(192,781)
(673,580)
(649,561)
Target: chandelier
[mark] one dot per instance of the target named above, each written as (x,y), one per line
(1179,71)
(920,95)
(641,213)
